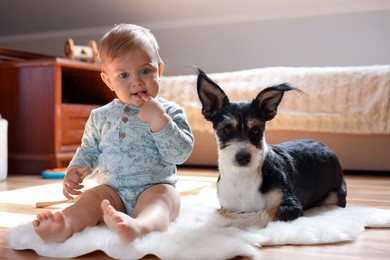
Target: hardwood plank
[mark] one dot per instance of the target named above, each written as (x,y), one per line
(364,190)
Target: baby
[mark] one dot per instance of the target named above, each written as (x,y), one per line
(132,145)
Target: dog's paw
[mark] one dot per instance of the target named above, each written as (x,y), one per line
(243,220)
(227,213)
(252,220)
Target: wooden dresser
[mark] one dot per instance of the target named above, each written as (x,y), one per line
(47,102)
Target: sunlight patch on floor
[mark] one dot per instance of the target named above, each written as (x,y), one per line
(9,220)
(31,195)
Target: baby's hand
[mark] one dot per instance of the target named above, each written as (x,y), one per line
(72,181)
(153,113)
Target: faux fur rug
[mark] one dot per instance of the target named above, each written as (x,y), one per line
(200,233)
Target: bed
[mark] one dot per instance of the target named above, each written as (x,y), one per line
(346,108)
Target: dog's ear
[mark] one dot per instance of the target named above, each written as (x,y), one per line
(269,99)
(211,96)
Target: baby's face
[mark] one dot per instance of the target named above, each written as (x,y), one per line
(136,71)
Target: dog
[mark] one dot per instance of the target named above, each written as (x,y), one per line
(259,183)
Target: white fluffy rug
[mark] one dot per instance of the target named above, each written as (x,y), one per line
(200,233)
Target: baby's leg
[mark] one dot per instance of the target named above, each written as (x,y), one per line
(155,208)
(59,226)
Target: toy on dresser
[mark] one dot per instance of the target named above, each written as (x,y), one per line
(87,53)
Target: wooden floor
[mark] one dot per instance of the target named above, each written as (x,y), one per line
(363,189)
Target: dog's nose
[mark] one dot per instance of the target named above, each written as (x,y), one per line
(243,158)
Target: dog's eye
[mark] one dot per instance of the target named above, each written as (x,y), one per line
(255,130)
(227,129)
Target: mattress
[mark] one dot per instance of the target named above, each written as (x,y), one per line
(335,99)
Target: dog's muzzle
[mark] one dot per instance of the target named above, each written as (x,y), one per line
(243,158)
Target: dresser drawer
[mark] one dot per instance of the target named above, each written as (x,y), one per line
(74,117)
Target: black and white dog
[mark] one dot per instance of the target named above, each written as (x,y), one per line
(259,183)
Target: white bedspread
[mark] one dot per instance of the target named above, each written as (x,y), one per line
(336,100)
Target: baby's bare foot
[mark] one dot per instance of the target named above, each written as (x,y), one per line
(51,227)
(121,223)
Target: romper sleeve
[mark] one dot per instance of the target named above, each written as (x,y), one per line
(88,152)
(175,141)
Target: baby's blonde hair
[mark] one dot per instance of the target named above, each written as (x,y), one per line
(123,38)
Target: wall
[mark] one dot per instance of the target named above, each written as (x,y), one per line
(350,39)
(330,40)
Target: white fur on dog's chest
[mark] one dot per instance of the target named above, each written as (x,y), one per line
(240,192)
